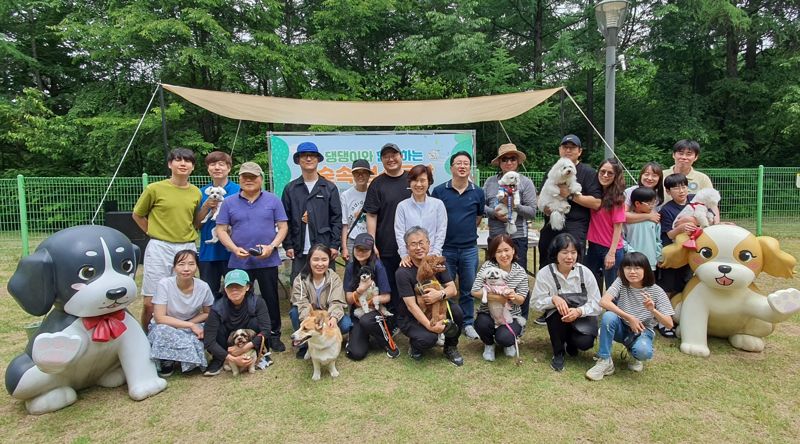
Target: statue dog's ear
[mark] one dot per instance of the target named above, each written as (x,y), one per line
(33,285)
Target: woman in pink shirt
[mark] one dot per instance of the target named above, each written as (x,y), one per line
(605,226)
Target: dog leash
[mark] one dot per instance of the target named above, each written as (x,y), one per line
(516,342)
(386,333)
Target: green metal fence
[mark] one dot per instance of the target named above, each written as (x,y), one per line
(765,200)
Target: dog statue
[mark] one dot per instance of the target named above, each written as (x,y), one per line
(214,193)
(494,282)
(83,276)
(324,342)
(701,208)
(721,299)
(426,278)
(563,172)
(367,275)
(240,338)
(508,193)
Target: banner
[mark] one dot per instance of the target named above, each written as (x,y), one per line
(432,148)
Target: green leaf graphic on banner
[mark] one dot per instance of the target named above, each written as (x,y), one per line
(280,171)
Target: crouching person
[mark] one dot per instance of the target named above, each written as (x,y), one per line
(634,304)
(423,333)
(239,309)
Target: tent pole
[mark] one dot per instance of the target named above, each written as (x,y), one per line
(163,121)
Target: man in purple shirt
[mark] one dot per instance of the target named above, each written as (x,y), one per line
(251,224)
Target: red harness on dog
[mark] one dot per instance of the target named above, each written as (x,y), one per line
(106,327)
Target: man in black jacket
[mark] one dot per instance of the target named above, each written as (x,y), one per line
(314,210)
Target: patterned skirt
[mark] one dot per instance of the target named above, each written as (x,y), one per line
(175,344)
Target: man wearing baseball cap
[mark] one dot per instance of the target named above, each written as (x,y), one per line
(354,220)
(314,210)
(254,246)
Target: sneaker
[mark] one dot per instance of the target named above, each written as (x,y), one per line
(510,351)
(572,350)
(557,363)
(276,345)
(392,353)
(301,352)
(469,331)
(265,362)
(636,365)
(604,367)
(452,355)
(488,352)
(440,340)
(214,368)
(541,320)
(167,368)
(414,353)
(668,333)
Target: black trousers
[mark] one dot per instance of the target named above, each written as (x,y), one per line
(562,334)
(484,325)
(422,339)
(391,264)
(212,273)
(368,326)
(267,279)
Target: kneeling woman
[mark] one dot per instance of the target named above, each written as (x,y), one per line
(239,309)
(371,324)
(634,305)
(501,254)
(180,306)
(567,293)
(317,287)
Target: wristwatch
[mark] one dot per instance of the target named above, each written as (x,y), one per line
(444,295)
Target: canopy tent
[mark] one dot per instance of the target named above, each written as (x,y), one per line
(341,113)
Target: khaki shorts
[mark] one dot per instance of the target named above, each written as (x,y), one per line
(158,257)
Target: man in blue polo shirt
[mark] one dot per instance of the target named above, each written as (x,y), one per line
(251,225)
(465,208)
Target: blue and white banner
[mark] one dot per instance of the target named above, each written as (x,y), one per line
(432,148)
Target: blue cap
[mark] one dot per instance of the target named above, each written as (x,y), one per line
(571,138)
(305,148)
(238,277)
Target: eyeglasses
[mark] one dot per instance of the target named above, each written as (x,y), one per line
(420,244)
(508,159)
(606,173)
(570,147)
(461,164)
(649,204)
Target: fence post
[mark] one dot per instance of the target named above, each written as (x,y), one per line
(144,180)
(760,201)
(23,214)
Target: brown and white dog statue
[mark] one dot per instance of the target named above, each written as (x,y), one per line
(721,299)
(324,342)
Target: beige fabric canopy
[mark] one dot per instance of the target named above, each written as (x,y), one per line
(341,113)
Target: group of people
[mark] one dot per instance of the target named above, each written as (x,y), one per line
(387,228)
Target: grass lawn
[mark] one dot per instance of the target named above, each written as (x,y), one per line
(732,396)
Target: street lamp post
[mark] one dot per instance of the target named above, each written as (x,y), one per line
(610,16)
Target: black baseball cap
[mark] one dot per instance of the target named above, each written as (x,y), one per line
(361,164)
(389,146)
(364,240)
(571,138)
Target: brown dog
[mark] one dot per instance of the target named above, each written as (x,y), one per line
(324,342)
(426,278)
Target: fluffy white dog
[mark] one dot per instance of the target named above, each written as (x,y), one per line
(701,207)
(562,173)
(495,282)
(508,185)
(215,193)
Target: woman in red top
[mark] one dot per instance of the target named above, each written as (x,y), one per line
(605,226)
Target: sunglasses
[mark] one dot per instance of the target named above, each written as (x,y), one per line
(508,159)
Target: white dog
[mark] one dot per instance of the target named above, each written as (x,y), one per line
(508,186)
(562,173)
(215,193)
(701,207)
(494,281)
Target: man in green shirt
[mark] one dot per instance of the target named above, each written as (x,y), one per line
(165,211)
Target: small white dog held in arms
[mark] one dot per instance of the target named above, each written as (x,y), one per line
(701,207)
(494,282)
(562,173)
(508,186)
(218,194)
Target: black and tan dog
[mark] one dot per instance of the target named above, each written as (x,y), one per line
(240,338)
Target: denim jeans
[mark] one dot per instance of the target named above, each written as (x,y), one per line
(464,263)
(613,328)
(595,260)
(345,324)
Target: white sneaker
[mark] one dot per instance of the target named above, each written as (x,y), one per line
(511,351)
(469,331)
(488,352)
(636,365)
(440,340)
(604,367)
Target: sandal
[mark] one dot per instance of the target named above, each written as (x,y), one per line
(667,332)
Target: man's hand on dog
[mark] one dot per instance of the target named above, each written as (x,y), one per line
(436,327)
(240,361)
(432,295)
(332,322)
(563,190)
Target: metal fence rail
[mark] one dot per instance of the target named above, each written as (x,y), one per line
(760,199)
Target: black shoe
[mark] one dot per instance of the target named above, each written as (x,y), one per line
(668,333)
(557,363)
(214,368)
(301,352)
(572,350)
(452,355)
(392,353)
(276,345)
(414,353)
(541,320)
(167,367)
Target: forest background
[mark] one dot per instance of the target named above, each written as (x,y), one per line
(76,76)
